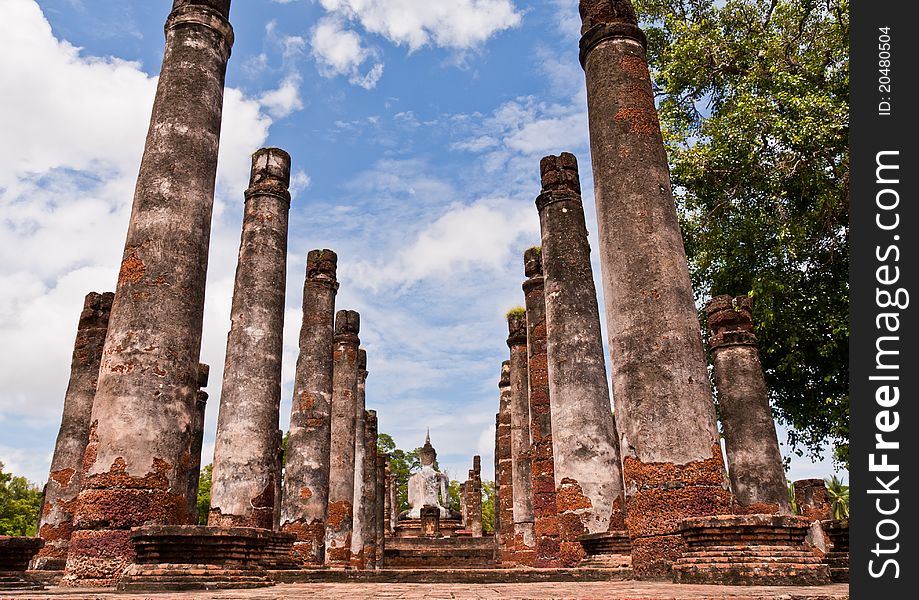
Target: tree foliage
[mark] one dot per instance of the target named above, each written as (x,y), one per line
(204,494)
(753,99)
(20,503)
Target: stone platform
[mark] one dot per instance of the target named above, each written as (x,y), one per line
(618,590)
(749,550)
(412,528)
(450,552)
(446,575)
(837,558)
(15,554)
(191,557)
(610,550)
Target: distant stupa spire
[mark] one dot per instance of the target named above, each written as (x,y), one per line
(427,437)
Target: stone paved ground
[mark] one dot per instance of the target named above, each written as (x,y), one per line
(620,590)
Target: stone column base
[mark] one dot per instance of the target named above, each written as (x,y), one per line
(192,557)
(748,550)
(15,554)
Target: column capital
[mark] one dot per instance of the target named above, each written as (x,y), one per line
(322,268)
(270,175)
(607,19)
(347,326)
(516,336)
(731,321)
(505,380)
(212,14)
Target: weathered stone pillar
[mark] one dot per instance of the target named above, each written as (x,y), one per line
(472,493)
(379,504)
(344,418)
(245,473)
(197,442)
(545,512)
(306,474)
(359,523)
(751,444)
(55,523)
(368,495)
(672,464)
(521,474)
(389,505)
(588,470)
(135,465)
(504,507)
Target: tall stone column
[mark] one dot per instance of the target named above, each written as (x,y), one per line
(197,441)
(359,523)
(545,511)
(750,441)
(672,463)
(55,524)
(504,508)
(135,465)
(367,524)
(245,472)
(389,504)
(521,473)
(344,418)
(588,470)
(473,498)
(306,474)
(380,506)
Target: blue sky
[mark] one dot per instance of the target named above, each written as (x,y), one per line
(415,129)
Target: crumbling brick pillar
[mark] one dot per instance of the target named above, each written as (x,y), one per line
(504,502)
(521,473)
(379,506)
(359,523)
(542,462)
(389,506)
(136,462)
(56,521)
(812,499)
(245,472)
(751,444)
(672,463)
(197,442)
(305,496)
(341,457)
(472,495)
(588,470)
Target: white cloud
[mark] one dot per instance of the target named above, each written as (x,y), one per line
(339,51)
(285,100)
(457,24)
(477,236)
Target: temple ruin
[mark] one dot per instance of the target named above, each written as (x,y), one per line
(586,486)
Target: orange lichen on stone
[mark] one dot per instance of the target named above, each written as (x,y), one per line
(306,493)
(641,121)
(307,401)
(132,269)
(759,508)
(338,513)
(570,496)
(62,476)
(634,66)
(702,472)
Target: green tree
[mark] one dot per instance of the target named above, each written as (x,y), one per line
(753,100)
(20,503)
(488,506)
(204,494)
(838,494)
